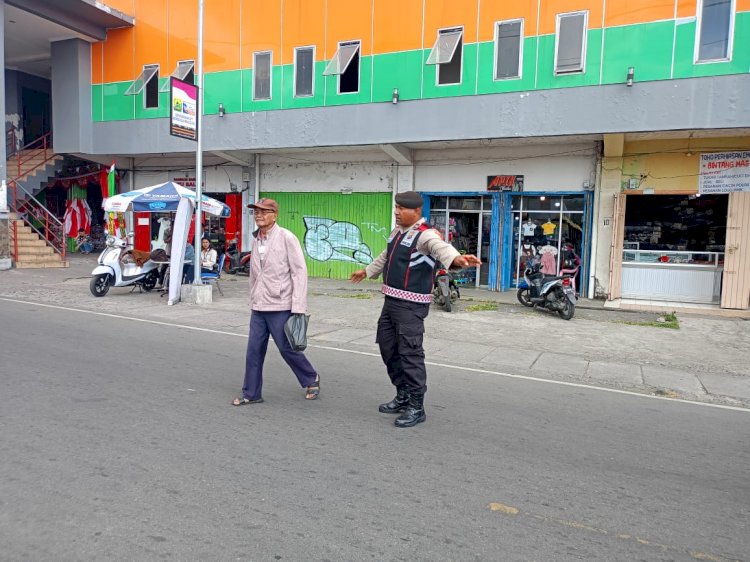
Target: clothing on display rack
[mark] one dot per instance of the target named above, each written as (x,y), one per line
(549,261)
(549,228)
(528,228)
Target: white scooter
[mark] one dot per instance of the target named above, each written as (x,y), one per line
(113,272)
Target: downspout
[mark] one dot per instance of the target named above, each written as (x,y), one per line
(394,191)
(595,223)
(256,190)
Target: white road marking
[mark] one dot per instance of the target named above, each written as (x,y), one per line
(368,354)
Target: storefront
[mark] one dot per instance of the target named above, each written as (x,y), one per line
(555,226)
(527,224)
(469,221)
(673,247)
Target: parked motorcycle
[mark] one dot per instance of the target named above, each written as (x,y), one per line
(238,262)
(547,291)
(114,270)
(445,291)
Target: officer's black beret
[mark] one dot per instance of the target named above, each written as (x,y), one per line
(410,200)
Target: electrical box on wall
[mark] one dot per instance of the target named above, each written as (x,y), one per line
(245,176)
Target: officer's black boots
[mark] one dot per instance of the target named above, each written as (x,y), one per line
(414,413)
(398,404)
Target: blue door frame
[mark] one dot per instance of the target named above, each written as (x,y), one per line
(506,258)
(495,227)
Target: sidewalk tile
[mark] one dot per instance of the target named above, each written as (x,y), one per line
(727,385)
(673,379)
(624,373)
(511,357)
(460,351)
(561,363)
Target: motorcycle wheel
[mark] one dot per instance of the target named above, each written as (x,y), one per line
(99,285)
(149,282)
(524,297)
(568,310)
(448,305)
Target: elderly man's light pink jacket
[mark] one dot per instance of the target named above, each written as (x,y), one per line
(278,282)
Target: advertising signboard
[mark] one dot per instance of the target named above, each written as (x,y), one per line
(183,113)
(724,172)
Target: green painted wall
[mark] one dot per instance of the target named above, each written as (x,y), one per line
(339,233)
(658,51)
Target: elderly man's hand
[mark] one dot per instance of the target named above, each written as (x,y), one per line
(462,262)
(358,275)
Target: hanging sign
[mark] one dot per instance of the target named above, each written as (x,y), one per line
(504,183)
(724,172)
(183,114)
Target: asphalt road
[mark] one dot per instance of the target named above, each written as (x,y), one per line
(118,441)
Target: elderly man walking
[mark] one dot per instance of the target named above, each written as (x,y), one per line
(408,268)
(278,289)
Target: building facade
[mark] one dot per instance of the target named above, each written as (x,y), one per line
(522,123)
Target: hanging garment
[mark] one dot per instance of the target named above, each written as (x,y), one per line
(549,264)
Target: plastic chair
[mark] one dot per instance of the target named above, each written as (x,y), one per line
(214,277)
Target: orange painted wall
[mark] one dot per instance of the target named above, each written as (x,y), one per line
(97,59)
(492,11)
(743,5)
(349,20)
(304,25)
(118,55)
(221,35)
(398,26)
(686,8)
(261,29)
(626,12)
(439,14)
(151,35)
(183,34)
(125,6)
(550,9)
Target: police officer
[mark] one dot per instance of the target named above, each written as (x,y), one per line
(408,266)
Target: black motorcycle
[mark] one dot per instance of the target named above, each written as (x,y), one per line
(238,262)
(445,291)
(547,291)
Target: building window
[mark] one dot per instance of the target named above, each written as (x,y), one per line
(715,30)
(570,42)
(262,76)
(185,71)
(148,83)
(447,55)
(345,65)
(508,49)
(304,71)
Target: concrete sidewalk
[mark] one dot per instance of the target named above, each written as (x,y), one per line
(706,359)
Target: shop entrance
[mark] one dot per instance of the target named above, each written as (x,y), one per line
(673,247)
(465,222)
(552,227)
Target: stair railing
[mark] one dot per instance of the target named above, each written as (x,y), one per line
(28,207)
(42,145)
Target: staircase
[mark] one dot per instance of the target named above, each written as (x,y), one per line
(30,249)
(37,239)
(33,167)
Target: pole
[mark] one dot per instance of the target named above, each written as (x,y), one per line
(199,152)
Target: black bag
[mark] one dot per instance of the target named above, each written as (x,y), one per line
(295,329)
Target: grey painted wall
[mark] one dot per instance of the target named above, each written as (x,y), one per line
(697,103)
(71,96)
(15,83)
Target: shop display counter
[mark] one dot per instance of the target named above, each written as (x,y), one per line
(672,276)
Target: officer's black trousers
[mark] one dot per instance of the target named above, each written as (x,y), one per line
(400,335)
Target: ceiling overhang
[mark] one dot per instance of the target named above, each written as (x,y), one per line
(89,18)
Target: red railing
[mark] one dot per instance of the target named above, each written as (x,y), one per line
(38,217)
(41,147)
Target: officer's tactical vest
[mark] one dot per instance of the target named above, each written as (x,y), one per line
(408,275)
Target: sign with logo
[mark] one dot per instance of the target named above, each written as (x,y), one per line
(504,183)
(183,113)
(724,172)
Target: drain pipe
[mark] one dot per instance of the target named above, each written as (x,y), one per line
(256,191)
(595,226)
